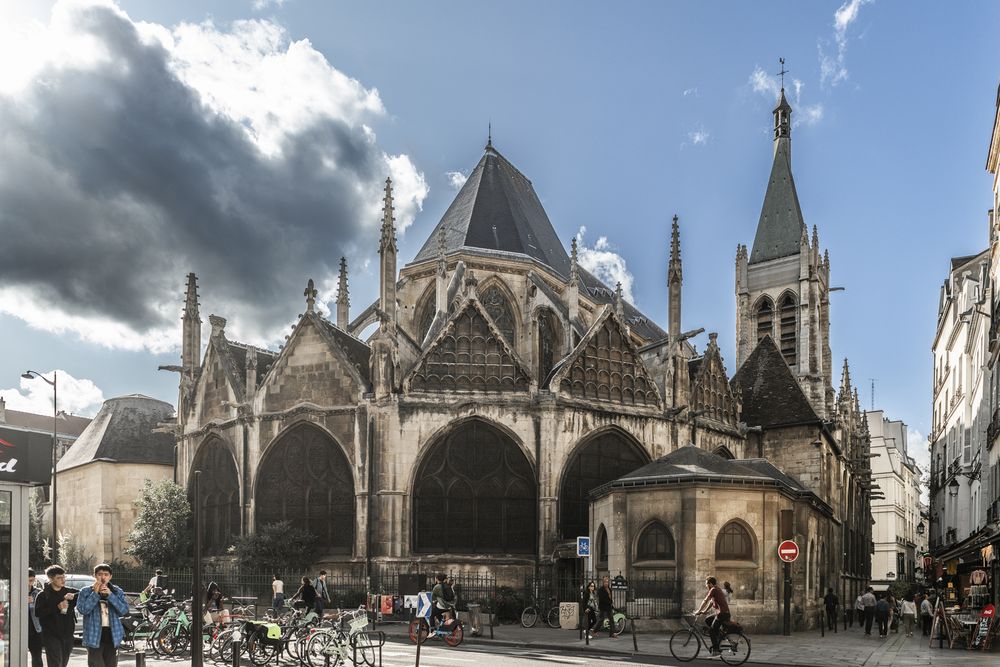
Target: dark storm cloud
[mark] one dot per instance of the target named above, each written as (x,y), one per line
(116,179)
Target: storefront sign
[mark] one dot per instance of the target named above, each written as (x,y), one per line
(25,457)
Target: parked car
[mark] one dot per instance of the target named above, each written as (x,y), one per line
(77,581)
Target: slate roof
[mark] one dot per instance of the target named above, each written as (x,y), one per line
(960,261)
(123,432)
(689,462)
(69,426)
(770,394)
(779,229)
(498,210)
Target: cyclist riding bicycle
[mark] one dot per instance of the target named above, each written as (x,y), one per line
(438,600)
(716,598)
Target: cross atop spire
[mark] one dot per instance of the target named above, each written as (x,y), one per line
(489,138)
(783,72)
(388,239)
(310,295)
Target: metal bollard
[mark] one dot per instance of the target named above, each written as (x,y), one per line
(635,642)
(140,659)
(822,625)
(237,650)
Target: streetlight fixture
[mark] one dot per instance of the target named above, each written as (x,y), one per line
(921,528)
(953,487)
(30,375)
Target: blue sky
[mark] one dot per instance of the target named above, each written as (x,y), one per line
(621,115)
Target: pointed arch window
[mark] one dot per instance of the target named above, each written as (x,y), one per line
(220,497)
(765,319)
(498,306)
(655,543)
(787,340)
(734,543)
(602,548)
(549,337)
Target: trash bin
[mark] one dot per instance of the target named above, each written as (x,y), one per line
(474,619)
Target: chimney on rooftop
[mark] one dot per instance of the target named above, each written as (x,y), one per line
(3,411)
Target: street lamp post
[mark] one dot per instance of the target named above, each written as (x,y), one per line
(28,375)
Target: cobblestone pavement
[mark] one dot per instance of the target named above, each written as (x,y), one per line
(517,647)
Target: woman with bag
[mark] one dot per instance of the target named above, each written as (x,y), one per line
(590,608)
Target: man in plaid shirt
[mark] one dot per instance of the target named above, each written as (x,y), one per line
(102,606)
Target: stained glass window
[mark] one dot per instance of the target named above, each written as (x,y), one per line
(306,479)
(220,496)
(475,494)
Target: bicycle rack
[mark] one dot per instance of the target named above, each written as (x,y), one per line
(378,636)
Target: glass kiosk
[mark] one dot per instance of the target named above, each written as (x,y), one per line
(25,461)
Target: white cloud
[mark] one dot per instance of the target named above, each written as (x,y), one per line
(230,150)
(832,65)
(698,137)
(260,5)
(691,91)
(602,261)
(456,179)
(76,396)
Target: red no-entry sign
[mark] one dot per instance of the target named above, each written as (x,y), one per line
(788,551)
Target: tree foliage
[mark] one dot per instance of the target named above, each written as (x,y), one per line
(277,547)
(161,535)
(38,545)
(72,556)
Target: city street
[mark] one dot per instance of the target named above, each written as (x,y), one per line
(515,647)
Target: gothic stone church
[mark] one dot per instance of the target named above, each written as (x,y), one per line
(509,401)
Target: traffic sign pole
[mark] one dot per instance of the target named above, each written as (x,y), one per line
(788,551)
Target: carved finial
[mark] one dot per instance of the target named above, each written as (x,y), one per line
(619,300)
(574,271)
(815,237)
(191,297)
(675,271)
(218,325)
(388,239)
(343,296)
(310,295)
(845,379)
(826,258)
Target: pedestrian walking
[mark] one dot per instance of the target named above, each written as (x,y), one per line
(606,607)
(277,594)
(859,611)
(882,616)
(34,627)
(868,603)
(306,595)
(55,607)
(322,593)
(909,615)
(590,608)
(893,614)
(102,606)
(728,590)
(927,615)
(830,602)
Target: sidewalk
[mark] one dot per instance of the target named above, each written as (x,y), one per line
(809,649)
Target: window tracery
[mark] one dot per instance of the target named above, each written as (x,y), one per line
(475,494)
(655,543)
(496,304)
(765,319)
(220,497)
(608,369)
(306,479)
(788,337)
(734,543)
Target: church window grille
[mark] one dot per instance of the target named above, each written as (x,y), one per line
(547,344)
(765,319)
(734,543)
(498,307)
(427,314)
(602,548)
(655,543)
(788,338)
(475,494)
(220,497)
(306,479)
(469,357)
(606,457)
(608,369)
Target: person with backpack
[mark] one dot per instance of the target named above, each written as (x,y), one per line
(439,604)
(830,602)
(882,616)
(450,595)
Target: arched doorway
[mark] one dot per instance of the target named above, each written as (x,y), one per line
(475,493)
(605,457)
(306,479)
(220,496)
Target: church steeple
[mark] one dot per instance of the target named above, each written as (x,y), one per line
(191,329)
(387,257)
(675,276)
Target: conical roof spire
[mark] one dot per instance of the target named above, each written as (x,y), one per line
(343,296)
(191,297)
(574,267)
(674,271)
(845,380)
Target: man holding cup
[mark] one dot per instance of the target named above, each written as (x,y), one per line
(55,608)
(102,606)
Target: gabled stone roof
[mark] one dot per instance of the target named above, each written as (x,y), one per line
(770,394)
(124,432)
(357,352)
(779,229)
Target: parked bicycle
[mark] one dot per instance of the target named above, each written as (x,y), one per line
(550,612)
(686,643)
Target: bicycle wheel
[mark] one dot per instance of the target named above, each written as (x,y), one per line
(620,625)
(322,645)
(261,652)
(552,618)
(684,645)
(455,637)
(364,649)
(529,617)
(173,640)
(418,630)
(735,647)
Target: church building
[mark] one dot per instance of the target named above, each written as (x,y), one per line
(509,400)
